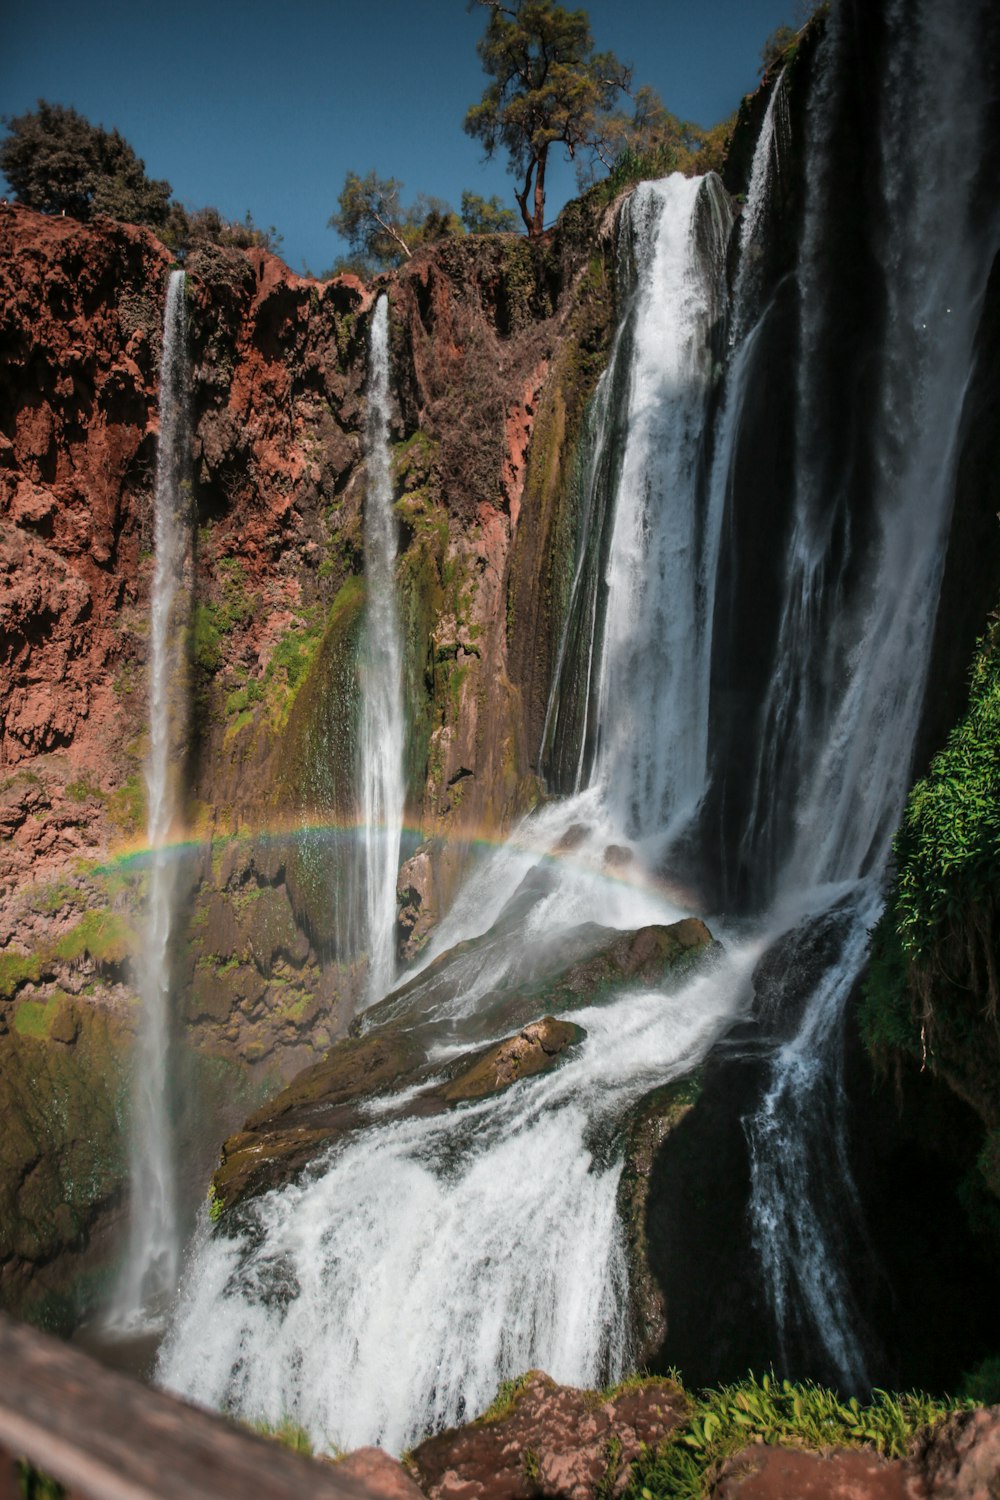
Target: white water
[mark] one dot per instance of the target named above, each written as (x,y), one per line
(433,1258)
(381,737)
(853,733)
(428,1259)
(149,1276)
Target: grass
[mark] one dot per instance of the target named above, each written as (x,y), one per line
(287,1432)
(730,1418)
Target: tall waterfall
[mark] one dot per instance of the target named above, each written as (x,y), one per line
(149,1277)
(381,737)
(856,626)
(763,502)
(430,1258)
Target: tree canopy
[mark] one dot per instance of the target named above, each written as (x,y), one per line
(56,161)
(549,88)
(382,233)
(486,215)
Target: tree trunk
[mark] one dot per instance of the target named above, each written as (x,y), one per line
(522,199)
(538,221)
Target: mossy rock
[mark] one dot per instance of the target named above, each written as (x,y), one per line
(319,1105)
(656,1116)
(63,1099)
(317,776)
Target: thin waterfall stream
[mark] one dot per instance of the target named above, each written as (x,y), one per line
(427,1257)
(149,1278)
(381,734)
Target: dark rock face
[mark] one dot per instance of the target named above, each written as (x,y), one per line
(553,1440)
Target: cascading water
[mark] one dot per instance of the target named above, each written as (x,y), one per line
(429,1258)
(149,1277)
(426,1258)
(381,735)
(857,628)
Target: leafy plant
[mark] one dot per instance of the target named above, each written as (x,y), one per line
(724,1421)
(548,88)
(56,161)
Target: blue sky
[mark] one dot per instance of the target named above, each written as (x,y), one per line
(266,107)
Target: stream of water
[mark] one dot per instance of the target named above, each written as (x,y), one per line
(149,1278)
(425,1259)
(381,736)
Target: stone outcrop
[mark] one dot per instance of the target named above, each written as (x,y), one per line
(958,1459)
(550,1440)
(391,1043)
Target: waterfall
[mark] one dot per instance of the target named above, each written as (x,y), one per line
(381,736)
(857,622)
(428,1258)
(771,697)
(150,1274)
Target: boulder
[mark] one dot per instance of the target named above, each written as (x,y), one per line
(551,1440)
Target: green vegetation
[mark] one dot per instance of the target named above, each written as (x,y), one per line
(56,161)
(103,936)
(774,50)
(982,1385)
(934,954)
(506,1398)
(34,1017)
(382,233)
(127,804)
(549,87)
(83,789)
(948,849)
(287,1432)
(486,215)
(724,1421)
(33,1485)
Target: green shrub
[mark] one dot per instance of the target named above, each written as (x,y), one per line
(724,1421)
(982,1384)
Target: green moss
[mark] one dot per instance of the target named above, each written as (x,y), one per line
(82,789)
(104,936)
(34,1017)
(206,638)
(48,899)
(127,804)
(17,969)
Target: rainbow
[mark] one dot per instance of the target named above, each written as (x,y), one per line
(475,841)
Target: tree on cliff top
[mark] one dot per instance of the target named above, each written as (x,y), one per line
(56,161)
(550,88)
(382,233)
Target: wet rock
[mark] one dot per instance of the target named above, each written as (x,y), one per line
(319,1105)
(532,1051)
(416,902)
(551,1440)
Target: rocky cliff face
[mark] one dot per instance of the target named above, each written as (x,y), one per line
(494,343)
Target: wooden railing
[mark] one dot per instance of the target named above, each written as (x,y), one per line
(107,1437)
